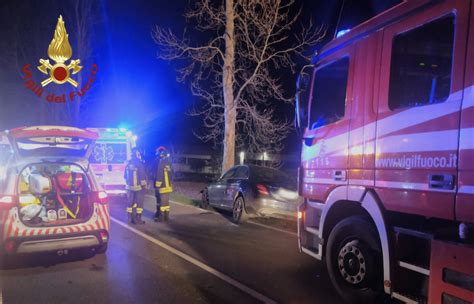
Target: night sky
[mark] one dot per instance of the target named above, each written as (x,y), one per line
(133,89)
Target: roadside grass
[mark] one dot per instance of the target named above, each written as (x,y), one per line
(183,199)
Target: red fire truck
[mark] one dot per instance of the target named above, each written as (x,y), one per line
(386,114)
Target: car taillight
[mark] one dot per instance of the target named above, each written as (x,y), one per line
(100,197)
(262,189)
(104,236)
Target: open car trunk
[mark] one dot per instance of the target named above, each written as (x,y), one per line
(53,188)
(53,194)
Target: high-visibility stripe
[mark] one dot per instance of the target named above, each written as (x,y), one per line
(165,208)
(166,190)
(8,226)
(167,180)
(101,216)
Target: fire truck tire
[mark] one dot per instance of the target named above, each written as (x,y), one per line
(354,261)
(239,214)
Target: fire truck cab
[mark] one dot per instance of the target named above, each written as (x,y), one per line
(386,114)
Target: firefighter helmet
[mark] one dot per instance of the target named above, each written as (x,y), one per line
(162,152)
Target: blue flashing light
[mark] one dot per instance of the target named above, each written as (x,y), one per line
(342,32)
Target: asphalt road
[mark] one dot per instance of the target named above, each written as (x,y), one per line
(198,257)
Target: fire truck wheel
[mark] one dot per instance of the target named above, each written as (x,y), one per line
(354,260)
(238,210)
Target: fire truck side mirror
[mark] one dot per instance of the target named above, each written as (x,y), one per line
(302,99)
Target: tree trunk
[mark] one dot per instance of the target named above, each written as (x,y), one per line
(230,111)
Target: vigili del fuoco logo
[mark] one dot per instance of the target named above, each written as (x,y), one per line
(59,71)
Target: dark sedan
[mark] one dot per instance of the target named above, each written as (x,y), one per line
(253,190)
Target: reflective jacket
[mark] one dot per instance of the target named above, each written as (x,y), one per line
(163,175)
(135,176)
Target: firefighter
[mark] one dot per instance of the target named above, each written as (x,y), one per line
(163,187)
(135,179)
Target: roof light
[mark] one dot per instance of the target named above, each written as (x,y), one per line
(123,130)
(342,33)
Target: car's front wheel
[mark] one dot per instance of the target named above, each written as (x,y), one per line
(354,260)
(238,210)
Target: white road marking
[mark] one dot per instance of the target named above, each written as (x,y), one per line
(197,263)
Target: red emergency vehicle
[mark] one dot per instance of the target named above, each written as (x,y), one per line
(49,198)
(386,112)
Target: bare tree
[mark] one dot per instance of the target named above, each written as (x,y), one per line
(237,72)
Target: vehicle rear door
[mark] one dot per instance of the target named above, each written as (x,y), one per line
(325,148)
(52,142)
(465,197)
(421,91)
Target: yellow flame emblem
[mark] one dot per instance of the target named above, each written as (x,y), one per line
(60,51)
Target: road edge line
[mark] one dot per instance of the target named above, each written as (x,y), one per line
(255,294)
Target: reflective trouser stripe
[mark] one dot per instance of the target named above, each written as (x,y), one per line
(165,208)
(166,190)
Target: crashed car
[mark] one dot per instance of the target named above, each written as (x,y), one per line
(250,190)
(50,200)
